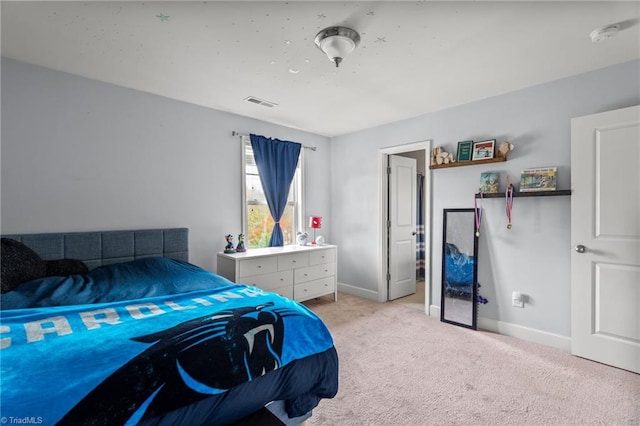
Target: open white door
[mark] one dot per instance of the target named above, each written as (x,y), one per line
(605,234)
(402,226)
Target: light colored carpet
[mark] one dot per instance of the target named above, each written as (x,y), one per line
(400,367)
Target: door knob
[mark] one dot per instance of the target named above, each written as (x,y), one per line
(580,248)
(413,233)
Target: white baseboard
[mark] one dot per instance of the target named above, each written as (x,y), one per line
(434,311)
(525,333)
(518,331)
(358,291)
(486,324)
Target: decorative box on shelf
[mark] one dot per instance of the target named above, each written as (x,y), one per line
(538,179)
(296,272)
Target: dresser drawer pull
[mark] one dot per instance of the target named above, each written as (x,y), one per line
(259,266)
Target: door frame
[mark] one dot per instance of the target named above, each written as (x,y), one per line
(383,183)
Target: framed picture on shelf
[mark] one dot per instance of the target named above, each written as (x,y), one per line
(465,149)
(483,150)
(489,182)
(538,179)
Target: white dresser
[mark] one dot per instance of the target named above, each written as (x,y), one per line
(296,272)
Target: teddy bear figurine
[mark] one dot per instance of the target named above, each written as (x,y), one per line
(229,247)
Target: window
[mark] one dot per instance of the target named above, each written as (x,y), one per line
(258,222)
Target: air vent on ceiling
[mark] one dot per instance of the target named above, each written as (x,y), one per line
(257,101)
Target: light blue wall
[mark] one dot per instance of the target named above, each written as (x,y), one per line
(80,155)
(534,257)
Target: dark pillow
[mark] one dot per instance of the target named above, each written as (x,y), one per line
(65,267)
(18,264)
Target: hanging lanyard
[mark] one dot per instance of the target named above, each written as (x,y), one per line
(478,214)
(509,201)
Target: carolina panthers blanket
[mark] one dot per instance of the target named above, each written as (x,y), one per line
(128,361)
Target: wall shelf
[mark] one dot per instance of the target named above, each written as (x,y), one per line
(527,194)
(468,163)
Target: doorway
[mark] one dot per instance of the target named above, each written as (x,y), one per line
(420,151)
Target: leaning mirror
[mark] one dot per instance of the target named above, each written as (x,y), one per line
(459,268)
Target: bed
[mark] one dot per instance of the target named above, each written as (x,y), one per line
(126,331)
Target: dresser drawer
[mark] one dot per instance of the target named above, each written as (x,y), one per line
(270,281)
(292,261)
(262,265)
(283,291)
(314,288)
(318,257)
(316,272)
(298,272)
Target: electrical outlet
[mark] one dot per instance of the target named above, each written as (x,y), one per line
(517,300)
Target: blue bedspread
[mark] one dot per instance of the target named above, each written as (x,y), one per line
(116,355)
(148,277)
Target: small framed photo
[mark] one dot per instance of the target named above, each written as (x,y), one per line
(489,182)
(483,150)
(465,148)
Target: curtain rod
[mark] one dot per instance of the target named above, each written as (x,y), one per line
(234,133)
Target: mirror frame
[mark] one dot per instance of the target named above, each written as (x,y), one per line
(472,231)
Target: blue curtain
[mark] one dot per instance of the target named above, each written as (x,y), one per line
(276,161)
(420,267)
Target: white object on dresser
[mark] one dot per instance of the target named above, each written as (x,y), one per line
(297,272)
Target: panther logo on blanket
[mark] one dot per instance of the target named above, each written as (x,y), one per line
(187,363)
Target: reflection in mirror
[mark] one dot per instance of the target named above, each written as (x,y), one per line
(459,268)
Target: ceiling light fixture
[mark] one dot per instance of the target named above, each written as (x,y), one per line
(337,42)
(604,33)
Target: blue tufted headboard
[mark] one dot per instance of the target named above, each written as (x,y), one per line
(97,248)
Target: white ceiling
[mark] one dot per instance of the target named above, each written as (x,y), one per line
(414,57)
